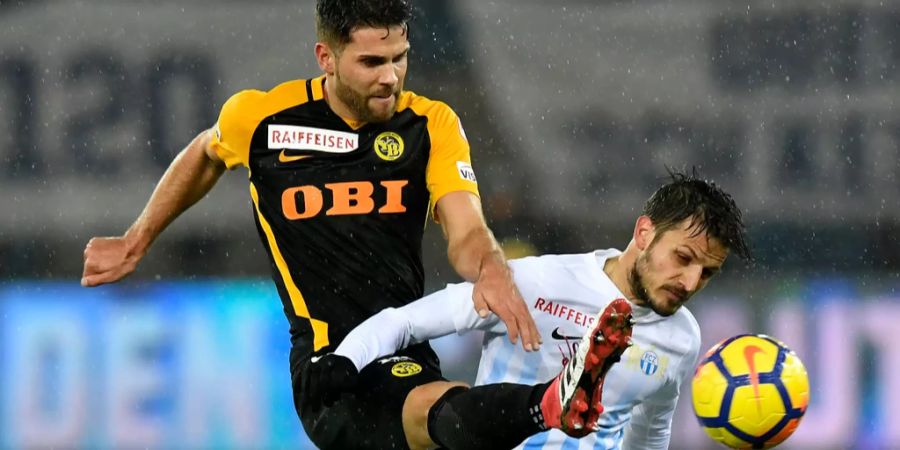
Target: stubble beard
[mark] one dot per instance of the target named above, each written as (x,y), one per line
(359,104)
(639,287)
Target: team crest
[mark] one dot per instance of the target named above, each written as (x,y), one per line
(388,146)
(405,369)
(649,363)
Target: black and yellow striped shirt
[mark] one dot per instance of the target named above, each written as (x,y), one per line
(341,207)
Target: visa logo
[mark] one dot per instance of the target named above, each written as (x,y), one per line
(465,171)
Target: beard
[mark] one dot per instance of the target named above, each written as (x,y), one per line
(638,286)
(359,103)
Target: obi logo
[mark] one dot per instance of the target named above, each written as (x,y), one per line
(348,198)
(649,363)
(388,146)
(405,369)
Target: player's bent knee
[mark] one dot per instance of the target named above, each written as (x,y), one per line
(415,411)
(420,399)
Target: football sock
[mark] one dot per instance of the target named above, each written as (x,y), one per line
(493,416)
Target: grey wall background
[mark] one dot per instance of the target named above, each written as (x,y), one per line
(574,110)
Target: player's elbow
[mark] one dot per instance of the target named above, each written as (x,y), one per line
(203,144)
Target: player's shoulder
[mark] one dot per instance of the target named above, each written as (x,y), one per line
(570,260)
(285,94)
(424,106)
(546,260)
(686,325)
(565,265)
(242,99)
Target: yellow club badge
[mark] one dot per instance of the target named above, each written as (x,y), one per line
(405,369)
(389,146)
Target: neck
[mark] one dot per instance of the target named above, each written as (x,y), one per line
(617,270)
(334,102)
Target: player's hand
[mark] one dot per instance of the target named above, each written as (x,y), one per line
(108,259)
(495,291)
(324,378)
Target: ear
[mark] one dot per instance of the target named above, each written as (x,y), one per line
(644,232)
(325,57)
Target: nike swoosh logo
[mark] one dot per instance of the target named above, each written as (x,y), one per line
(285,158)
(555,335)
(315,359)
(749,352)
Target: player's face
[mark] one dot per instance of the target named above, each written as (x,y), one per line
(370,70)
(677,264)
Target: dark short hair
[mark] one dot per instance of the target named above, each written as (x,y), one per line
(709,207)
(336,19)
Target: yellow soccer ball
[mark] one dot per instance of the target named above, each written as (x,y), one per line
(750,391)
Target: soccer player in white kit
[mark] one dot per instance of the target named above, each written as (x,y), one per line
(681,240)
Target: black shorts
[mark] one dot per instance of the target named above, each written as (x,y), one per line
(371,416)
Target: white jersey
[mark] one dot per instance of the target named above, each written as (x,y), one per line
(564,294)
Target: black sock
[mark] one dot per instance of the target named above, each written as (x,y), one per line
(493,416)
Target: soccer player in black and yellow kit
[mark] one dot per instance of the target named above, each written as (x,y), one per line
(344,171)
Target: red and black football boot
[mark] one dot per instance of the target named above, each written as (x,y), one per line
(572,403)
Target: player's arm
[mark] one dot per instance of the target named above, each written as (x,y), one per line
(189,177)
(449,310)
(444,312)
(476,256)
(650,427)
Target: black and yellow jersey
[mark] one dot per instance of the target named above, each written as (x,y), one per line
(341,207)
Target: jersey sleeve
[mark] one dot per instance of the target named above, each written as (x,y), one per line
(463,312)
(444,312)
(235,127)
(650,426)
(449,164)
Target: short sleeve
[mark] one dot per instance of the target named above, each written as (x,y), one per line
(235,127)
(449,164)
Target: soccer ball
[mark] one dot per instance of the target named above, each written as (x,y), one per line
(750,391)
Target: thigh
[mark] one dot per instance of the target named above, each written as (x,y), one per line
(370,417)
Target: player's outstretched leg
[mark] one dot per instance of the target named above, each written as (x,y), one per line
(502,415)
(572,403)
(487,417)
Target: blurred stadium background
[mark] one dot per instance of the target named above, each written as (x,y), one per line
(573,108)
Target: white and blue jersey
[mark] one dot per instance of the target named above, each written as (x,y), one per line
(564,294)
